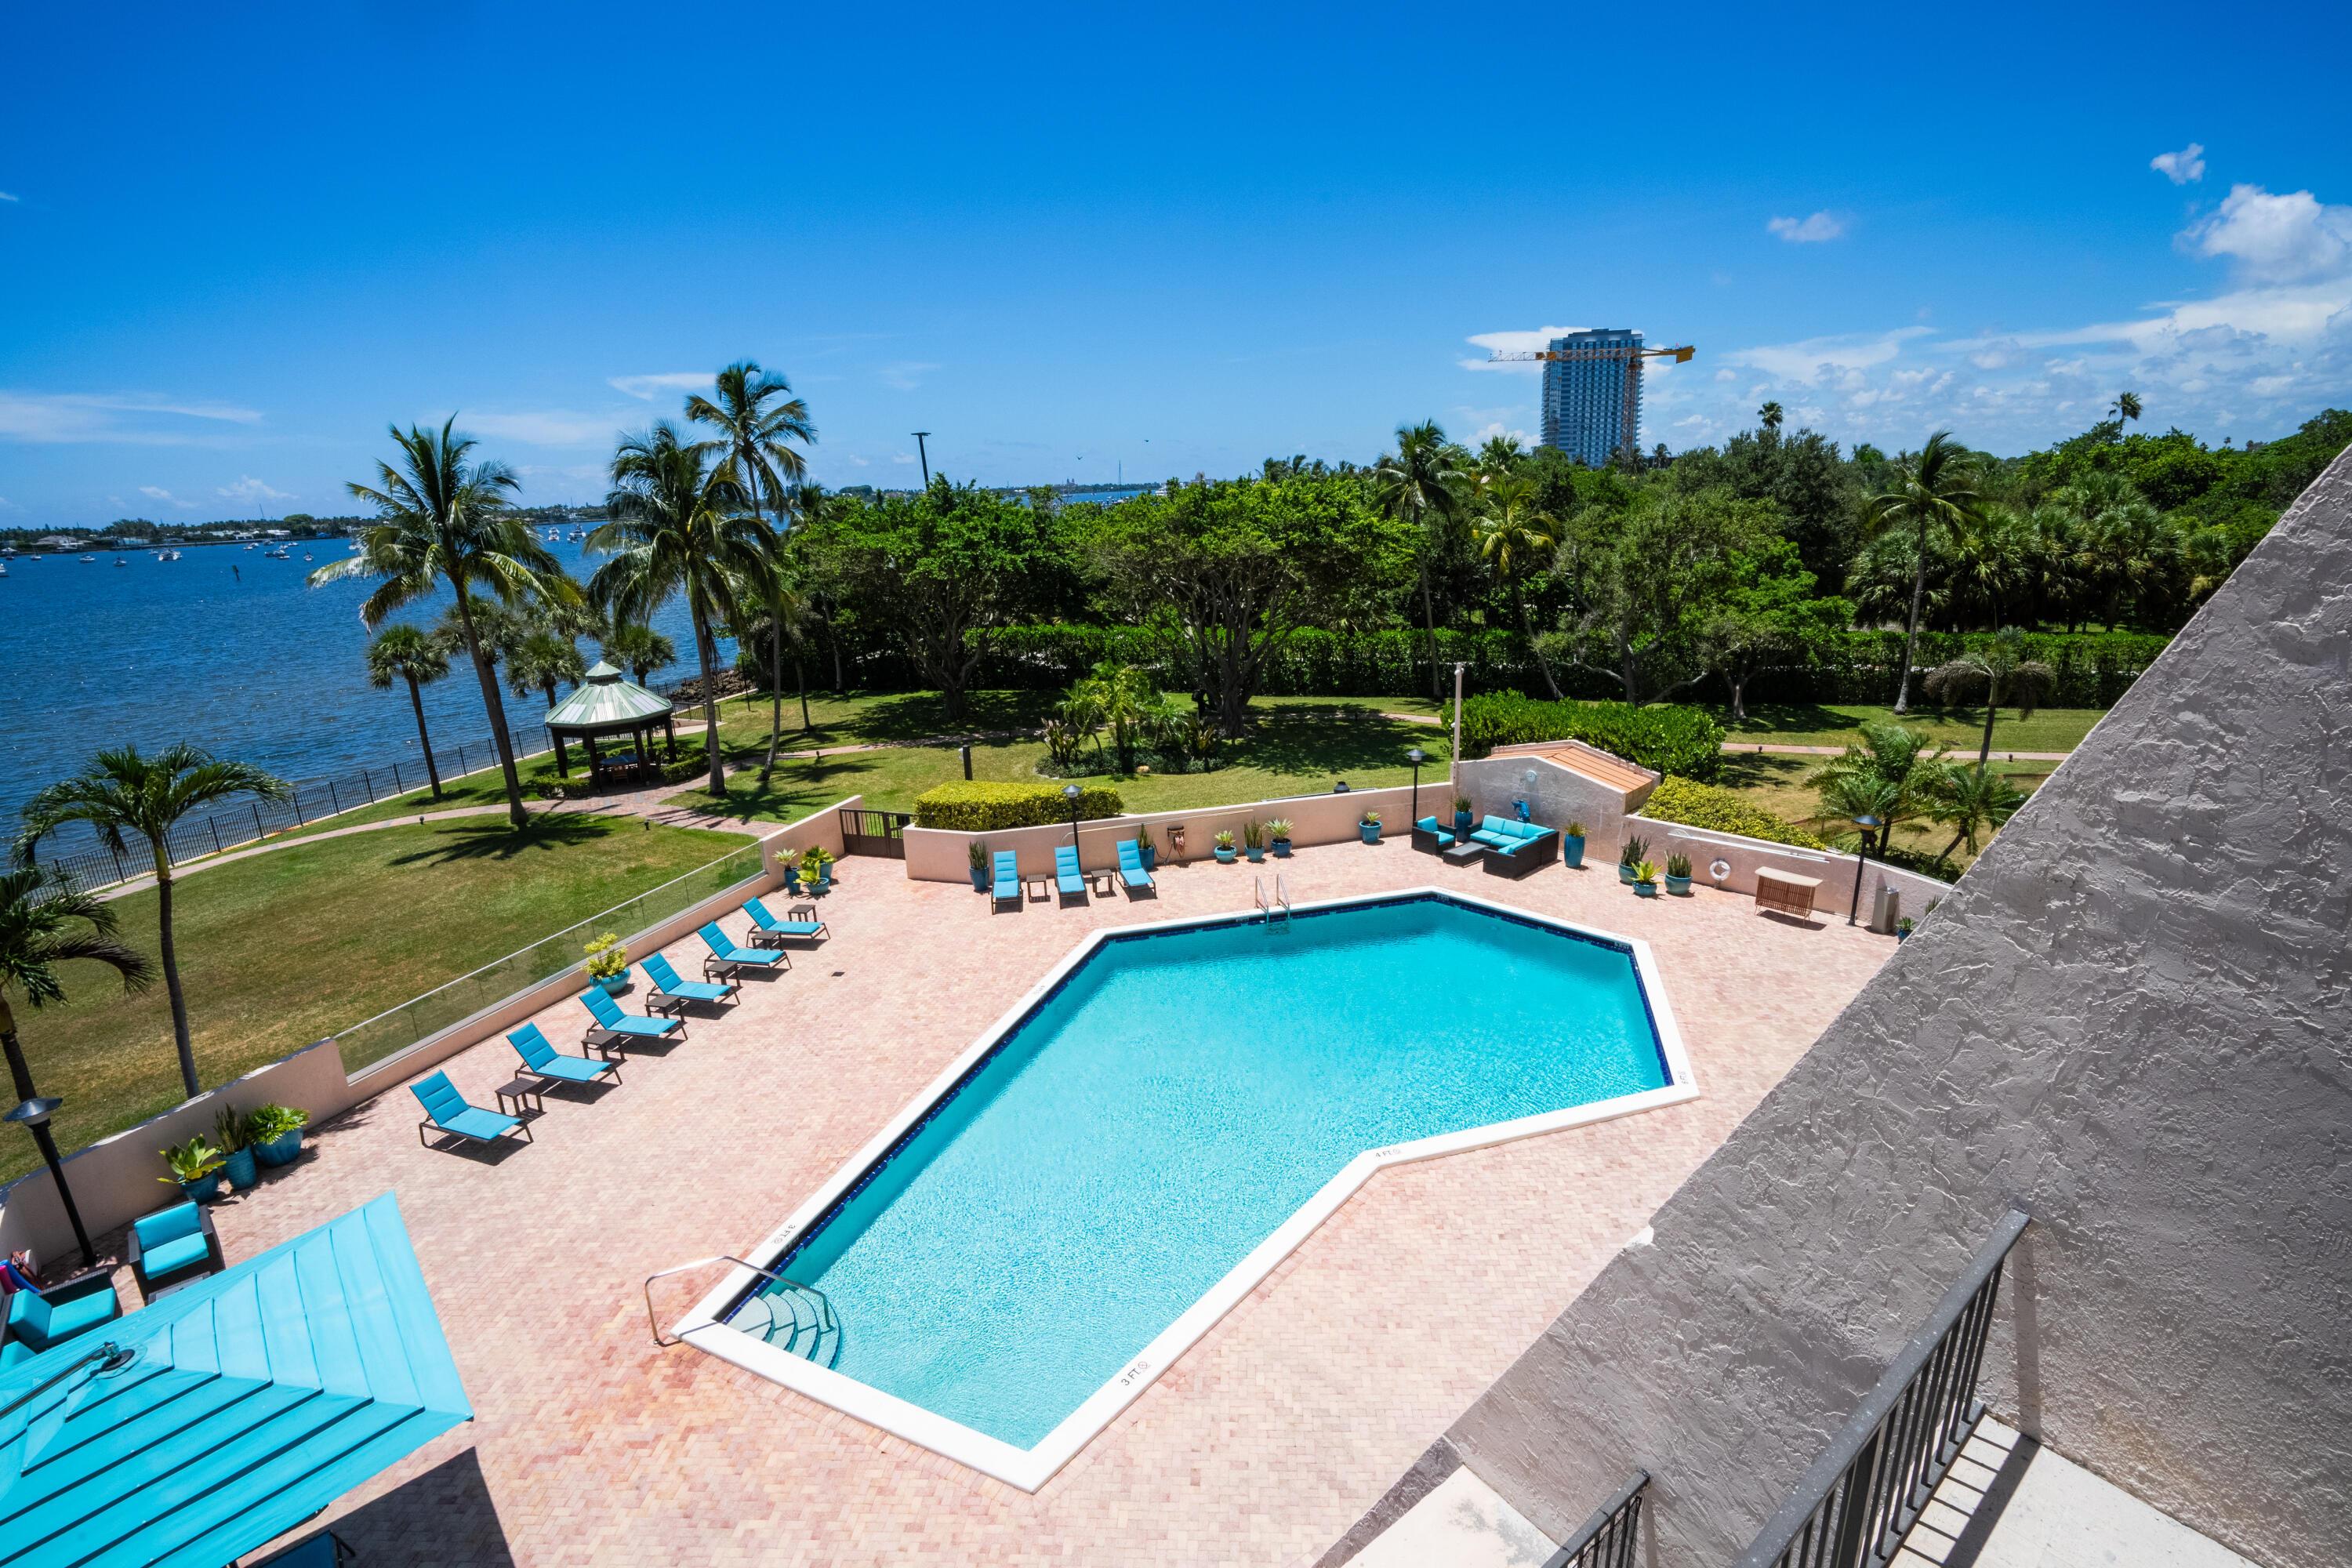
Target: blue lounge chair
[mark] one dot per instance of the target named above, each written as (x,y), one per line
(1130,868)
(446,1110)
(675,993)
(1008,880)
(726,958)
(40,1319)
(553,1066)
(767,931)
(605,1014)
(171,1246)
(1068,878)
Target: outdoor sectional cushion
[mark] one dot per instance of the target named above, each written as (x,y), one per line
(32,1320)
(173,1223)
(1445,836)
(171,1256)
(1506,837)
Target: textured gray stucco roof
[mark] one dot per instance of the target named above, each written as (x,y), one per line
(2130,1017)
(605,702)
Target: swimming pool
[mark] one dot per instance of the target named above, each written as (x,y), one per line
(1140,1139)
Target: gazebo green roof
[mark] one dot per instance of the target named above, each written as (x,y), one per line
(607,702)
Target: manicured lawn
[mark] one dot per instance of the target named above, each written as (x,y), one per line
(1776,783)
(1809,724)
(286,948)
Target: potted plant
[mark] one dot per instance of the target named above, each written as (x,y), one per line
(608,963)
(1904,928)
(1571,845)
(1146,850)
(1277,831)
(1678,876)
(196,1169)
(1462,818)
(275,1132)
(1225,848)
(1630,857)
(1254,840)
(1645,881)
(976,852)
(789,860)
(1368,824)
(816,868)
(236,1149)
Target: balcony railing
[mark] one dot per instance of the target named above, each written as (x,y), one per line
(1607,1540)
(1852,1509)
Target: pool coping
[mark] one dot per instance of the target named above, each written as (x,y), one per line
(1030,1468)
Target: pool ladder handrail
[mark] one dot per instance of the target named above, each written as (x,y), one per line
(653,1322)
(1281,900)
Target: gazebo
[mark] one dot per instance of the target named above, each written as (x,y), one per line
(606,707)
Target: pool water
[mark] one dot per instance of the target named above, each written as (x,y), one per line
(1178,1097)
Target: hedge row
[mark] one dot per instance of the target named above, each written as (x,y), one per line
(1664,737)
(1696,805)
(981,807)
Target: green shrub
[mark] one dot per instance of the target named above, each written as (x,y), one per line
(979,807)
(1663,737)
(1696,805)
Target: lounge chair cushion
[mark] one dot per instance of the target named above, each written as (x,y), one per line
(14,1351)
(694,989)
(610,1017)
(168,1225)
(1067,875)
(171,1256)
(722,947)
(1445,836)
(41,1323)
(475,1122)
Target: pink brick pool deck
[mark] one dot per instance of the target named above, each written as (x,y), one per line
(1262,1445)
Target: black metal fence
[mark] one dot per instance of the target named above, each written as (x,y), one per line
(1609,1539)
(77,853)
(1852,1509)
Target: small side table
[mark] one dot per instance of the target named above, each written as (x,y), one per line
(519,1089)
(1785,893)
(1463,853)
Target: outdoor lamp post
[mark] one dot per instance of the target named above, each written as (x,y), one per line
(1866,823)
(1416,757)
(1070,793)
(34,1114)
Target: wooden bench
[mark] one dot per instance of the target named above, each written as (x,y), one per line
(1784,892)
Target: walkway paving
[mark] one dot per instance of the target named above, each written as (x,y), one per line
(1768,747)
(1262,1445)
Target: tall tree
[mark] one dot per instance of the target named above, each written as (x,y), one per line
(2002,674)
(2125,406)
(1891,776)
(1513,535)
(639,649)
(1420,485)
(441,518)
(1653,575)
(542,659)
(678,528)
(47,919)
(757,418)
(775,612)
(405,653)
(1938,487)
(1767,614)
(121,794)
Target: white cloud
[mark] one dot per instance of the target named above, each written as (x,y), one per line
(1486,433)
(904,376)
(5,196)
(902,456)
(145,419)
(248,489)
(1516,342)
(1815,359)
(544,426)
(156,492)
(860,461)
(2183,167)
(1811,230)
(643,387)
(2291,239)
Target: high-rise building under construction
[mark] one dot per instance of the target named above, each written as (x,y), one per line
(1592,406)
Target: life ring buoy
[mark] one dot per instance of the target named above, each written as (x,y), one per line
(1721,869)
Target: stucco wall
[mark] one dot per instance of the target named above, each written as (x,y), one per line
(2131,1016)
(1555,796)
(1745,857)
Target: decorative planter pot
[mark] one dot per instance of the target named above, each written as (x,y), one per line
(614,985)
(238,1169)
(1257,854)
(203,1190)
(1901,935)
(792,880)
(1646,889)
(1151,853)
(1571,850)
(1282,848)
(1625,873)
(1225,856)
(1678,886)
(283,1149)
(1370,830)
(979,879)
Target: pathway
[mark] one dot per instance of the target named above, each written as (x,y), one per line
(1768,747)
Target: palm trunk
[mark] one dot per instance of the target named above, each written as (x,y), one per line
(1911,631)
(18,1069)
(1543,664)
(775,694)
(172,970)
(432,771)
(800,673)
(1984,752)
(703,651)
(1429,622)
(517,817)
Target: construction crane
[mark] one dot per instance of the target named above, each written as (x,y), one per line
(1634,358)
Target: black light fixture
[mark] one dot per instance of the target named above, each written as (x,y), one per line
(34,1114)
(924,453)
(1416,757)
(1861,857)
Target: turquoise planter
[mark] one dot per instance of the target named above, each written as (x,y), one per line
(1571,850)
(1282,848)
(979,879)
(203,1190)
(238,1169)
(1225,856)
(1678,886)
(614,985)
(1257,855)
(1462,821)
(1646,889)
(280,1151)
(1370,830)
(1625,873)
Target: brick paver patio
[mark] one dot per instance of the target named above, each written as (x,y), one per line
(1260,1446)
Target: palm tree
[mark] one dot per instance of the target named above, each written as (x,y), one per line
(2125,406)
(1510,535)
(542,659)
(755,434)
(122,792)
(47,919)
(1971,801)
(403,652)
(678,528)
(1885,777)
(1120,695)
(1769,417)
(440,519)
(1936,489)
(639,649)
(1500,456)
(778,612)
(2003,673)
(1420,484)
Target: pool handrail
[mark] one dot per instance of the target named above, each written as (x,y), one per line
(655,1324)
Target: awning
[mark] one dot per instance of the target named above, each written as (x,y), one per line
(251,1401)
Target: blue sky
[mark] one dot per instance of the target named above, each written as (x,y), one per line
(1082,242)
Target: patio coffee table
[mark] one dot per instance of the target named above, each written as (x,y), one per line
(519,1089)
(1462,854)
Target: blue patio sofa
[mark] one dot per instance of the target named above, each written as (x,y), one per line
(1514,849)
(40,1319)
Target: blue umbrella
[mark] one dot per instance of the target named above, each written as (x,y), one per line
(231,1411)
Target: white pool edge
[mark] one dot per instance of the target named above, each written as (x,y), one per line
(1030,1468)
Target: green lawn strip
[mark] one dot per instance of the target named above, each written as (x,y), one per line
(1809,724)
(286,948)
(1776,783)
